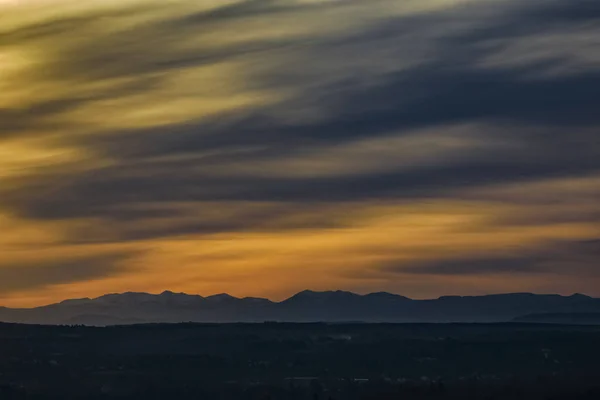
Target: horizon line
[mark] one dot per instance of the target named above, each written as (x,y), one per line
(164,292)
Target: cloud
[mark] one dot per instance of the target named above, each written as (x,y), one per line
(561,258)
(507,265)
(516,124)
(38,274)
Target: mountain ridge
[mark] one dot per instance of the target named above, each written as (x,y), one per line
(304,306)
(310,292)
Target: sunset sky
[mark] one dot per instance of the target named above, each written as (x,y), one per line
(263,147)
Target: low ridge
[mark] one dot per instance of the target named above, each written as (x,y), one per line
(305,306)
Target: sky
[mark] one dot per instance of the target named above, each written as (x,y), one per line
(264,147)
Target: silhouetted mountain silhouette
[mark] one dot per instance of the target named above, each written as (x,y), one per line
(306,306)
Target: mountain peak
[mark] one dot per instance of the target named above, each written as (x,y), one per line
(306,292)
(168,293)
(222,297)
(257,299)
(385,295)
(126,299)
(579,296)
(310,296)
(76,301)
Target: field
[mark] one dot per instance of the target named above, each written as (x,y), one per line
(301,361)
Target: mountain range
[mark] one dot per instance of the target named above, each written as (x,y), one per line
(306,306)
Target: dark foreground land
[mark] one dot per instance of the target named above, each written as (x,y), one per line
(301,361)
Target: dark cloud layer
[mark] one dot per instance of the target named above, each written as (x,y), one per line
(572,257)
(550,122)
(39,274)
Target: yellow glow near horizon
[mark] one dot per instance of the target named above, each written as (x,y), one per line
(278,264)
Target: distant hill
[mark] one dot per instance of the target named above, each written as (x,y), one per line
(561,318)
(306,306)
